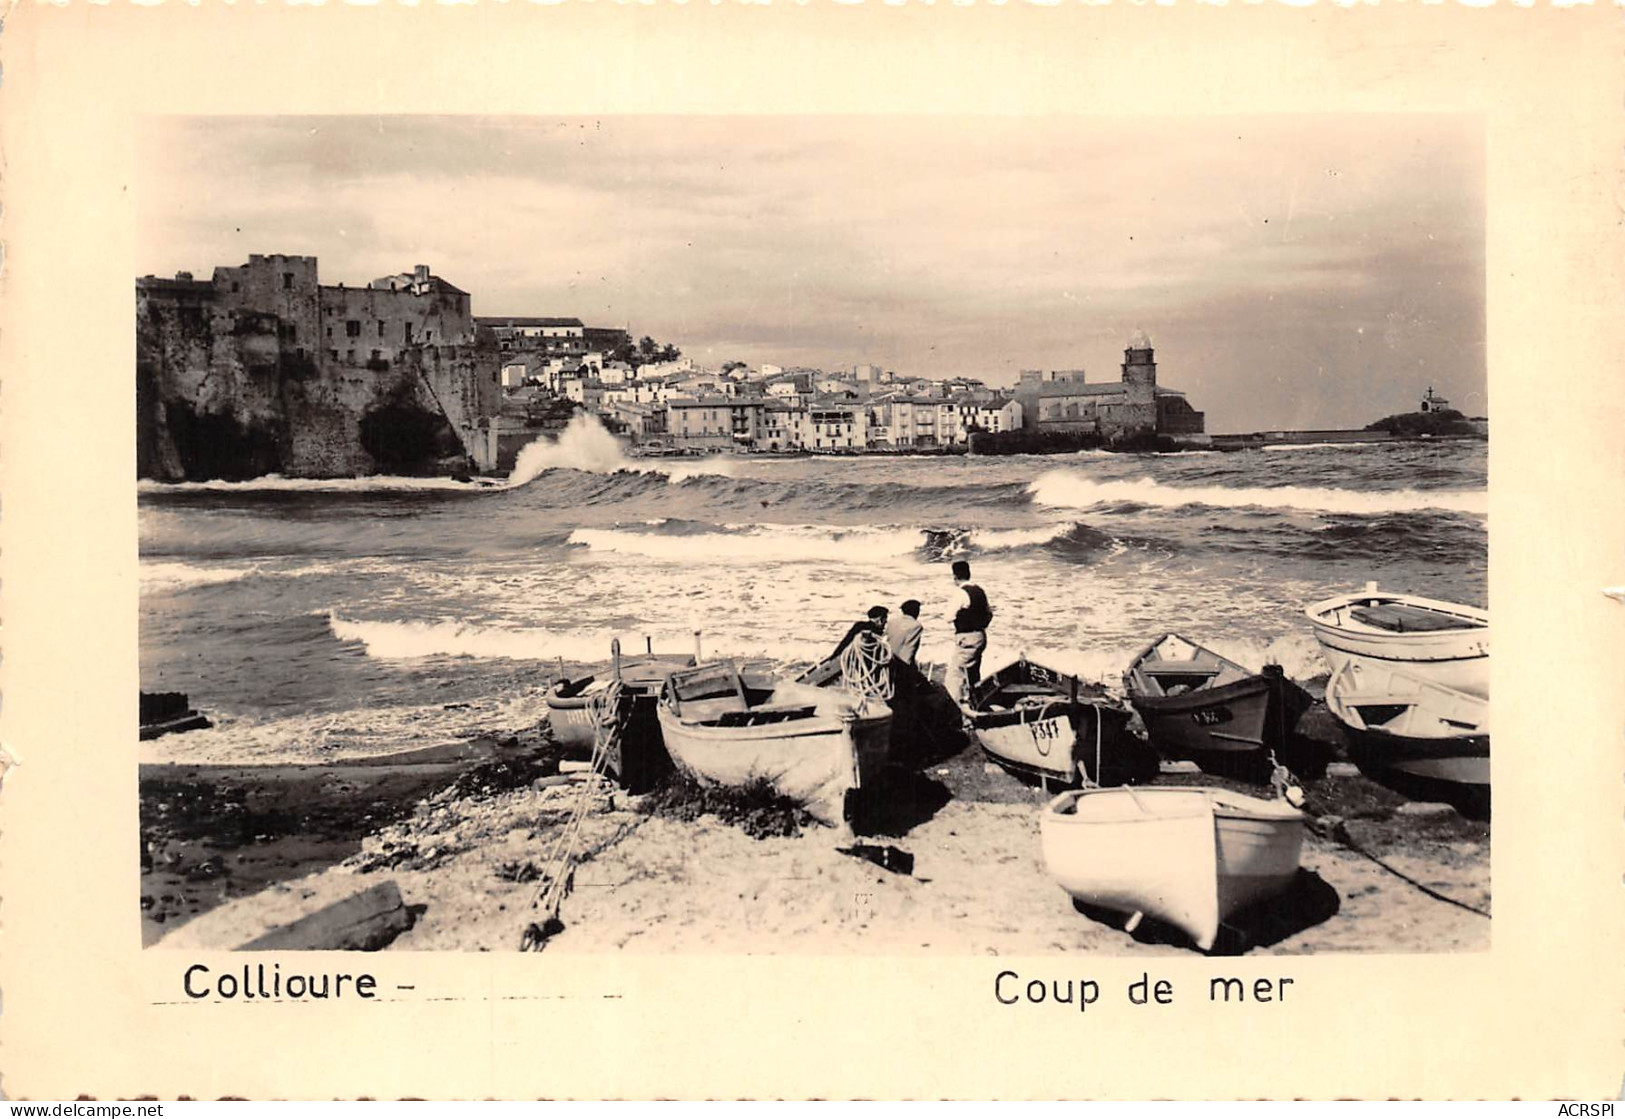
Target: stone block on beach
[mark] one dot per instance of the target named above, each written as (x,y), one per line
(365,922)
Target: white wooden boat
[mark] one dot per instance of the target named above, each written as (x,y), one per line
(813,745)
(1189,857)
(1440,641)
(1414,733)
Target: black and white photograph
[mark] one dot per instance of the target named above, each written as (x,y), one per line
(723,549)
(894,534)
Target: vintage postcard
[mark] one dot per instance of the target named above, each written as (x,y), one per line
(618,551)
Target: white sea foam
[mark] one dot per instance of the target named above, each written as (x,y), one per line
(585,444)
(410,640)
(365,732)
(1315,446)
(171,576)
(375,484)
(1066,489)
(749,543)
(1004,539)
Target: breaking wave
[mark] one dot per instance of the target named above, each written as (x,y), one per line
(379,483)
(160,576)
(748,543)
(405,640)
(413,640)
(586,445)
(1065,489)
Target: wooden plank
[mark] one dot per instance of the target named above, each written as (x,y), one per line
(1398,618)
(363,922)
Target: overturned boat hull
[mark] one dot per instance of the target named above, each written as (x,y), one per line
(1187,857)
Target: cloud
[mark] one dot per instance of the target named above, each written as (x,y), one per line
(1342,249)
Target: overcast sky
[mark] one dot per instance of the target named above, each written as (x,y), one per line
(1292,271)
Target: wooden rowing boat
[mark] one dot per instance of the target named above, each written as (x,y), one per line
(1414,734)
(1445,642)
(637,758)
(1186,856)
(1204,707)
(927,724)
(816,746)
(1042,724)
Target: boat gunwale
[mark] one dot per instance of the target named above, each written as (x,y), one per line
(1315,612)
(1220,803)
(1200,697)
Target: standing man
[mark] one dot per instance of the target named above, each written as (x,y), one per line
(904,631)
(971,615)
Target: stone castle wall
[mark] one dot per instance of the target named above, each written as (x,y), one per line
(235,379)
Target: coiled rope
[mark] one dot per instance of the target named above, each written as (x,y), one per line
(866,667)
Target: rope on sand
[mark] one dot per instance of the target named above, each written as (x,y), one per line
(1341,835)
(559,873)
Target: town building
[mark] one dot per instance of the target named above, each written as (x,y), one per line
(714,422)
(834,425)
(1134,405)
(552,337)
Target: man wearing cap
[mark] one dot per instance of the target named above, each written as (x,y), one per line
(970,615)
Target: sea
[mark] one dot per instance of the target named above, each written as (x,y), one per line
(326,620)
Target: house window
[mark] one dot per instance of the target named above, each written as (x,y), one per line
(334,354)
(349,355)
(235,286)
(377,355)
(287,280)
(380,328)
(352,328)
(406,329)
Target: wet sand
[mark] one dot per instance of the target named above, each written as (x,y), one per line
(951,866)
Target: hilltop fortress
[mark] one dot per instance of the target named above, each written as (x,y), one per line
(261,369)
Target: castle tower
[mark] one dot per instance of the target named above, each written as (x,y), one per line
(1140,369)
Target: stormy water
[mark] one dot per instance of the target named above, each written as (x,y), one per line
(323,620)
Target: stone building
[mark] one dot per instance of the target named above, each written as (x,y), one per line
(1134,405)
(548,337)
(713,422)
(1432,402)
(261,369)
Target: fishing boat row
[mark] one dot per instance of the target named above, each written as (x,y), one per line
(1409,687)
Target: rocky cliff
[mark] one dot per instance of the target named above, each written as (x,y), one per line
(234,391)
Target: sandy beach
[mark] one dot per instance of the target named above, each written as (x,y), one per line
(952,865)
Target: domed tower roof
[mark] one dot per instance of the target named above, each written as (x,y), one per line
(1140,341)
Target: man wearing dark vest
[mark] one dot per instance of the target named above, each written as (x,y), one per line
(970,615)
